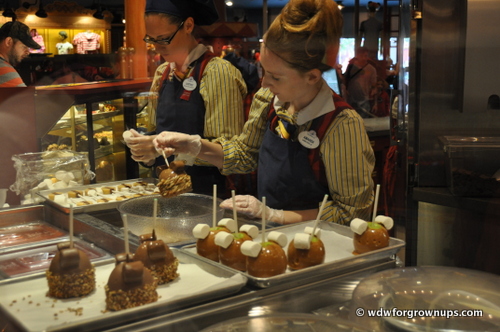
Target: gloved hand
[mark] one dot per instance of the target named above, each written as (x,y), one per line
(253,208)
(141,146)
(176,143)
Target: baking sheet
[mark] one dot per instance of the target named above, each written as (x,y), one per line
(26,304)
(338,254)
(28,262)
(96,205)
(28,234)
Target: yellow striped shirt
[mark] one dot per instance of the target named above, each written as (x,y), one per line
(345,150)
(222,88)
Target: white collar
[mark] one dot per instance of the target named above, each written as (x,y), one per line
(195,54)
(320,105)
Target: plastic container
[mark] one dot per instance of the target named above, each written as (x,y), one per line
(472,165)
(177,216)
(428,298)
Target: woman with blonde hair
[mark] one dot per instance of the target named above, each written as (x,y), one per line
(305,139)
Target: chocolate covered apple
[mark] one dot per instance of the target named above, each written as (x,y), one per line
(205,243)
(306,249)
(70,273)
(173,179)
(230,246)
(157,257)
(369,236)
(266,259)
(130,284)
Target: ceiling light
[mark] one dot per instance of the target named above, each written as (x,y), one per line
(229,3)
(341,6)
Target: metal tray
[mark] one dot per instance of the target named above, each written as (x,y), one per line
(339,257)
(35,261)
(25,303)
(28,234)
(96,206)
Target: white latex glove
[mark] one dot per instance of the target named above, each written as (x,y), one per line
(141,146)
(253,208)
(177,143)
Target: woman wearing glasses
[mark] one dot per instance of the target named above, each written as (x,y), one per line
(308,142)
(197,92)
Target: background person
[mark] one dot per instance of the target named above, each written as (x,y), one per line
(15,44)
(198,93)
(296,102)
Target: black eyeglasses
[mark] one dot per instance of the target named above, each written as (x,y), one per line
(163,41)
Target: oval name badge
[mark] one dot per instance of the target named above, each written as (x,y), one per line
(189,84)
(308,139)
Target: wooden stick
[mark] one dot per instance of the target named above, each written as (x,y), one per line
(125,233)
(155,212)
(235,213)
(165,157)
(320,212)
(214,213)
(71,231)
(263,219)
(375,203)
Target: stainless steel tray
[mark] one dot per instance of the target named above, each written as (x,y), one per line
(339,258)
(96,206)
(26,305)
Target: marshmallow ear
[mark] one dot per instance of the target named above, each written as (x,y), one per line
(301,241)
(278,237)
(388,222)
(251,248)
(201,231)
(229,223)
(224,239)
(317,232)
(251,230)
(358,226)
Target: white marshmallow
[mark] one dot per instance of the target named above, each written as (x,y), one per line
(250,248)
(388,222)
(223,239)
(358,226)
(60,175)
(127,135)
(60,199)
(91,192)
(48,182)
(42,185)
(60,185)
(72,183)
(317,232)
(278,237)
(251,230)
(201,231)
(229,223)
(301,241)
(68,177)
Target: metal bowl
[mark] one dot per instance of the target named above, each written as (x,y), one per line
(177,216)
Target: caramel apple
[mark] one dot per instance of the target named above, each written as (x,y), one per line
(130,284)
(70,273)
(299,256)
(157,257)
(205,243)
(369,236)
(229,249)
(266,259)
(173,179)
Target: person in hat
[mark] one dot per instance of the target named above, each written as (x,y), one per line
(197,92)
(306,141)
(15,44)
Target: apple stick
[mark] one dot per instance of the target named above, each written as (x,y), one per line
(71,226)
(235,213)
(155,212)
(320,212)
(375,203)
(125,233)
(214,215)
(263,219)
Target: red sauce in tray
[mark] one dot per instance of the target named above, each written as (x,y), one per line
(27,233)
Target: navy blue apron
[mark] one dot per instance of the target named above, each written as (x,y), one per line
(285,174)
(176,112)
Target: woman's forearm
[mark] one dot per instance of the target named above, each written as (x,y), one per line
(212,153)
